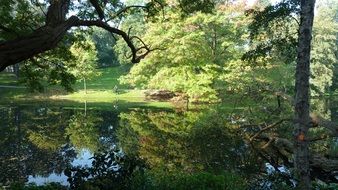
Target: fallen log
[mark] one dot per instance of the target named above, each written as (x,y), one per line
(322,167)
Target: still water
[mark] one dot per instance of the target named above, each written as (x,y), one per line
(38,141)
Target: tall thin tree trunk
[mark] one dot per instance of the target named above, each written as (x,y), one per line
(84,85)
(16,70)
(302,100)
(85,107)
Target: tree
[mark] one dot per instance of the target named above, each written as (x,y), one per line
(24,37)
(53,23)
(302,90)
(192,52)
(104,43)
(291,9)
(47,69)
(85,61)
(324,57)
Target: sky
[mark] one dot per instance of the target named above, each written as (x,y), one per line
(251,2)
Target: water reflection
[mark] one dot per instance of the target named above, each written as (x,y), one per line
(38,142)
(189,141)
(83,159)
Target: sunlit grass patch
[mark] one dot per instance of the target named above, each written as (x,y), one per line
(106,81)
(103,95)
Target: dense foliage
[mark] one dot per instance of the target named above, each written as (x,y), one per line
(233,49)
(192,53)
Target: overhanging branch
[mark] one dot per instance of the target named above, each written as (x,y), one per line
(98,23)
(125,9)
(56,26)
(41,40)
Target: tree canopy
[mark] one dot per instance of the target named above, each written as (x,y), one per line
(24,37)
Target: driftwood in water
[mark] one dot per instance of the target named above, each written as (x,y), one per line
(272,148)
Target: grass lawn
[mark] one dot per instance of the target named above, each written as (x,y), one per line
(101,88)
(103,96)
(106,81)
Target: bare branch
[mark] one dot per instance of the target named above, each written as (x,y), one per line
(56,26)
(129,30)
(98,8)
(323,137)
(139,39)
(135,58)
(125,9)
(324,163)
(267,128)
(295,19)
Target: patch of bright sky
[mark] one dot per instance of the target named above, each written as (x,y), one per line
(252,2)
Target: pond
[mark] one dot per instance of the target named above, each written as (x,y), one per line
(39,140)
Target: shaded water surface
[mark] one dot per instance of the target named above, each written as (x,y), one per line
(39,141)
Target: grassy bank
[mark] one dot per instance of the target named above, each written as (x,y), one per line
(103,88)
(100,92)
(102,95)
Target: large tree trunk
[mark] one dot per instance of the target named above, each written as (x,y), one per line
(42,39)
(302,102)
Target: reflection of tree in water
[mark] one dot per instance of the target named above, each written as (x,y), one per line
(108,126)
(197,141)
(21,154)
(40,140)
(92,130)
(83,131)
(218,146)
(35,140)
(190,141)
(45,127)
